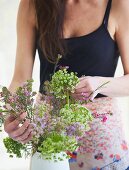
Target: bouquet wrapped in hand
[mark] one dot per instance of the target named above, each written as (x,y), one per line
(58,120)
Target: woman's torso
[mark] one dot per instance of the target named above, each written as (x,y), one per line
(93,54)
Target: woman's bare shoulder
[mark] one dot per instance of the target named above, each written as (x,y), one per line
(120,8)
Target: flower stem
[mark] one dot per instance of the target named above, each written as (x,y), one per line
(68,98)
(2,111)
(59,57)
(99,87)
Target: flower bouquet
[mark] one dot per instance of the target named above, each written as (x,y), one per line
(58,120)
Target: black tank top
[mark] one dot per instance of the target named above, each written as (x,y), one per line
(94,54)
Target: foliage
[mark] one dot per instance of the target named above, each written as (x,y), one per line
(58,120)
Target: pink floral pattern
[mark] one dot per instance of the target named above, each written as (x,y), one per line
(103,147)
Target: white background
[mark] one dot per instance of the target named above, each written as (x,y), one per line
(8,13)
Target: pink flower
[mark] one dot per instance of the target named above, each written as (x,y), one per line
(104,119)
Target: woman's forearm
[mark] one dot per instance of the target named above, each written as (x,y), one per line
(117,86)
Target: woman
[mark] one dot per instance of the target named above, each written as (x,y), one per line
(89,35)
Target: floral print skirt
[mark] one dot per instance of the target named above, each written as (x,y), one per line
(103,147)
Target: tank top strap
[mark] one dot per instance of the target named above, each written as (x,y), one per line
(107,12)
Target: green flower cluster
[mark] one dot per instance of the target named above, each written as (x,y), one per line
(54,144)
(63,83)
(14,147)
(76,113)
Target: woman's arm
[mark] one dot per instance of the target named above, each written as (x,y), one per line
(25,51)
(118,86)
(25,54)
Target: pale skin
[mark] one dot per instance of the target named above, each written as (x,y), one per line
(75,24)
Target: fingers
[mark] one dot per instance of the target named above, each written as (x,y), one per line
(10,119)
(25,135)
(83,81)
(81,84)
(87,88)
(82,90)
(28,138)
(12,123)
(19,133)
(80,96)
(20,130)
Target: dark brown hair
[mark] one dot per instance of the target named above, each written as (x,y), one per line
(50,17)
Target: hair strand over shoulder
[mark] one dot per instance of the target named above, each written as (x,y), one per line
(50,18)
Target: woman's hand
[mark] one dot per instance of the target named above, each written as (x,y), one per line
(87,88)
(18,133)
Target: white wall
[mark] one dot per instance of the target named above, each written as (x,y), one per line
(8,11)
